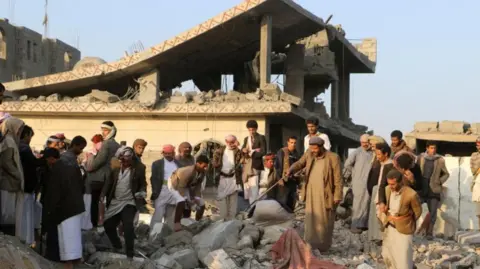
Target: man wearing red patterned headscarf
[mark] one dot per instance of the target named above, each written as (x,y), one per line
(162,169)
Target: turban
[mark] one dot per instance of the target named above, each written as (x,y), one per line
(107,125)
(140,141)
(168,148)
(230,138)
(364,138)
(97,138)
(124,151)
(315,140)
(53,138)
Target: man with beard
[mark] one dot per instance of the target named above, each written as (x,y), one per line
(402,212)
(475,187)
(284,159)
(312,128)
(123,194)
(64,202)
(398,144)
(254,148)
(161,171)
(324,191)
(435,174)
(380,168)
(185,184)
(228,159)
(357,166)
(101,166)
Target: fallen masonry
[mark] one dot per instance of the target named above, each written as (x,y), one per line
(240,244)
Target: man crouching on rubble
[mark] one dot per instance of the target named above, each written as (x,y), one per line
(186,185)
(124,193)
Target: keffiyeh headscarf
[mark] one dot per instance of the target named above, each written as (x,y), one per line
(124,151)
(4,116)
(109,126)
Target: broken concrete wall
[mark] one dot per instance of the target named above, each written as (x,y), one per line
(457,210)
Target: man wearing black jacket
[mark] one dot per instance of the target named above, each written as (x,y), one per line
(254,148)
(284,159)
(29,164)
(64,202)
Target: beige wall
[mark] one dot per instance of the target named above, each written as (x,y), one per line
(156,131)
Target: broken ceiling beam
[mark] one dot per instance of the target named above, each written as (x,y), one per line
(294,100)
(149,88)
(104,96)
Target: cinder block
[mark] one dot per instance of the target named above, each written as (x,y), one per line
(426,126)
(452,127)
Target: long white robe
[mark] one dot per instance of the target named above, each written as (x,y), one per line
(27,232)
(358,166)
(70,238)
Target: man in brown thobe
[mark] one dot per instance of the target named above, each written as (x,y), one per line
(323,189)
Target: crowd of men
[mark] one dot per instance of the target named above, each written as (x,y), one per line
(65,189)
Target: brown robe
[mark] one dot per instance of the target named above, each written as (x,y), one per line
(323,186)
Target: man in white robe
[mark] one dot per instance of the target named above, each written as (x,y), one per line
(357,167)
(254,148)
(228,159)
(161,171)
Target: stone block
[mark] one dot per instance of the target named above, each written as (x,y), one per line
(159,231)
(451,127)
(187,258)
(291,99)
(475,128)
(426,126)
(149,88)
(41,98)
(54,98)
(178,99)
(23,98)
(468,219)
(252,96)
(468,238)
(271,89)
(252,231)
(245,242)
(273,232)
(104,96)
(219,259)
(218,235)
(199,99)
(167,261)
(447,216)
(181,237)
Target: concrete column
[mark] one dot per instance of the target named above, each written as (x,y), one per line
(309,96)
(344,96)
(295,82)
(149,88)
(265,50)
(335,88)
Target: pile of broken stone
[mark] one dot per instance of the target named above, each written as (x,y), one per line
(213,96)
(238,244)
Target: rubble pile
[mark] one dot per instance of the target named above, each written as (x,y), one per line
(271,94)
(240,244)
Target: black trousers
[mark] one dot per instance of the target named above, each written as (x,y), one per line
(96,192)
(52,249)
(126,216)
(433,204)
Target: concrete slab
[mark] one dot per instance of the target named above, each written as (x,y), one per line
(468,219)
(468,238)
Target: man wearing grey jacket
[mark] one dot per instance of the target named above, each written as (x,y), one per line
(100,166)
(434,173)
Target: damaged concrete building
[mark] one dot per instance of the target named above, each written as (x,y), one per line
(25,53)
(253,42)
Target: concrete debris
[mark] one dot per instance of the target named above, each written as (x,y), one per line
(291,99)
(244,244)
(452,127)
(54,98)
(104,96)
(426,126)
(271,89)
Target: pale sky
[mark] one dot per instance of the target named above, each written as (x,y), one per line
(427,50)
